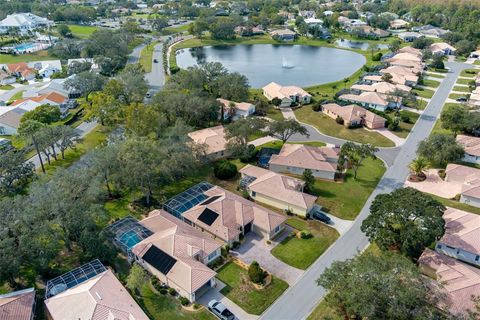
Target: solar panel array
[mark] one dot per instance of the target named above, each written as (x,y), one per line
(186,200)
(210,200)
(127,232)
(74,277)
(158,259)
(208,216)
(245,181)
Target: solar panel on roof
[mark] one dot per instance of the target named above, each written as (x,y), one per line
(208,216)
(159,259)
(210,200)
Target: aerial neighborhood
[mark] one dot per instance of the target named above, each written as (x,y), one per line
(274,160)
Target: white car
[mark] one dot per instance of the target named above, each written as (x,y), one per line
(218,309)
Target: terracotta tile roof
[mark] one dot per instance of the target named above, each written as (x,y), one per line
(12,117)
(183,242)
(17,67)
(353,113)
(406,56)
(462,230)
(242,106)
(278,186)
(459,281)
(410,50)
(381,87)
(233,212)
(52,96)
(307,157)
(441,46)
(366,97)
(468,175)
(470,144)
(275,90)
(100,298)
(213,138)
(17,305)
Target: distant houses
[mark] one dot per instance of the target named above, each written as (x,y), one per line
(287,94)
(371,100)
(214,141)
(409,36)
(236,110)
(442,49)
(24,22)
(283,34)
(430,31)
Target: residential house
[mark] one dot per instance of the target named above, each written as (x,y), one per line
(277,190)
(10,119)
(24,22)
(461,238)
(283,35)
(398,24)
(227,216)
(381,87)
(327,13)
(371,100)
(456,280)
(214,141)
(348,24)
(313,22)
(236,110)
(402,75)
(409,36)
(287,94)
(6,78)
(307,14)
(470,178)
(21,70)
(52,98)
(475,54)
(471,146)
(47,71)
(18,305)
(354,116)
(90,292)
(430,31)
(369,32)
(55,85)
(296,158)
(411,50)
(442,49)
(178,254)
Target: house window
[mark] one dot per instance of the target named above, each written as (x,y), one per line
(450,247)
(254,194)
(439,246)
(212,255)
(477,258)
(277,228)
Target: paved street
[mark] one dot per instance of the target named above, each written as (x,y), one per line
(156,78)
(300,300)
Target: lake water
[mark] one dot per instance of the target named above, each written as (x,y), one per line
(285,64)
(357,45)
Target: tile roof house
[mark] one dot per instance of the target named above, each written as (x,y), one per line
(471,146)
(462,236)
(226,216)
(21,70)
(101,297)
(240,109)
(402,75)
(442,48)
(295,158)
(371,100)
(283,34)
(381,87)
(409,36)
(288,94)
(458,280)
(18,305)
(10,119)
(52,98)
(25,22)
(398,24)
(6,78)
(470,177)
(411,50)
(278,190)
(430,31)
(187,249)
(354,116)
(213,139)
(56,85)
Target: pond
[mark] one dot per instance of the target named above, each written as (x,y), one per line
(349,44)
(285,64)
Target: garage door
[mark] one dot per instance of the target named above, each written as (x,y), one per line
(247,228)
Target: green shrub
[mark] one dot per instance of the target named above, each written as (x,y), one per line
(184,301)
(317,107)
(405,118)
(156,284)
(163,291)
(250,154)
(377,56)
(255,273)
(394,124)
(225,170)
(196,306)
(235,244)
(339,120)
(172,291)
(305,234)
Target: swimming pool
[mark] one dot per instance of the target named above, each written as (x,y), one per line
(25,46)
(130,239)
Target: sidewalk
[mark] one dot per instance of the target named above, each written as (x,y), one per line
(262,140)
(389,135)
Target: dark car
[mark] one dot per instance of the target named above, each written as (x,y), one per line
(321,216)
(462,99)
(155,61)
(218,309)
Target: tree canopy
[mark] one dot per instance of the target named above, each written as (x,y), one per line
(440,149)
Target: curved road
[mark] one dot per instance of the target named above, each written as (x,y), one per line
(300,299)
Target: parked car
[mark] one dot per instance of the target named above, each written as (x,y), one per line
(462,99)
(318,215)
(219,310)
(148,94)
(155,61)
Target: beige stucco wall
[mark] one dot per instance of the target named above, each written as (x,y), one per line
(327,175)
(279,204)
(475,202)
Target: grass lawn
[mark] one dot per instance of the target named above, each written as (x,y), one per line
(82,32)
(17,95)
(469,73)
(6,87)
(158,306)
(435,75)
(462,89)
(146,57)
(455,96)
(457,205)
(241,291)
(275,114)
(431,83)
(424,93)
(464,81)
(175,29)
(301,253)
(345,200)
(419,104)
(40,55)
(437,128)
(328,126)
(405,128)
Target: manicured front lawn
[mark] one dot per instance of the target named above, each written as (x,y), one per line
(241,291)
(455,96)
(431,83)
(469,73)
(16,96)
(435,75)
(146,57)
(301,253)
(465,81)
(424,93)
(82,32)
(158,306)
(437,128)
(405,128)
(328,126)
(274,114)
(345,200)
(6,87)
(461,89)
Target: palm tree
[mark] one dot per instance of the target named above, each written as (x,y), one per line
(418,166)
(334,87)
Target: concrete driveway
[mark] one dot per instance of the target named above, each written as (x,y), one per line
(255,248)
(435,185)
